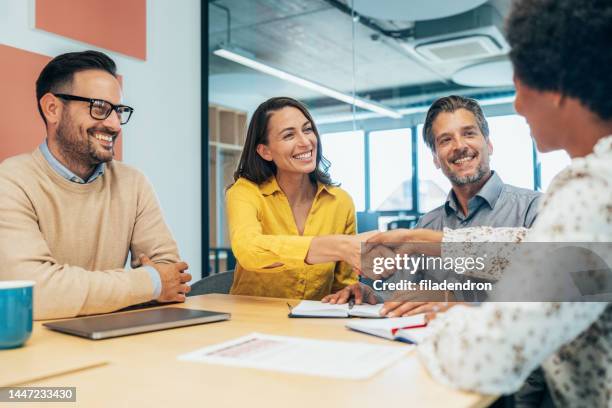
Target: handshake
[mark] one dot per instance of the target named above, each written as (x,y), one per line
(392,247)
(380,254)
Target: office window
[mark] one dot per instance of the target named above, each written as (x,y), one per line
(550,165)
(346,152)
(433,184)
(512,150)
(391,170)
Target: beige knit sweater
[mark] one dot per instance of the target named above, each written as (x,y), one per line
(73,239)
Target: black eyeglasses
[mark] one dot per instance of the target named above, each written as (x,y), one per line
(100,109)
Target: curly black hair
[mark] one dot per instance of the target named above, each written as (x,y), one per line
(564,46)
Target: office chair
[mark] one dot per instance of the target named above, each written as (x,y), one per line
(217,283)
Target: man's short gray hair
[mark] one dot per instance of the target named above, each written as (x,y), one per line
(450,104)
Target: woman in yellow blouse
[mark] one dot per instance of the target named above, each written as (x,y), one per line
(292,231)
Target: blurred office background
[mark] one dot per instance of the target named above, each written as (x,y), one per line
(195,71)
(395,57)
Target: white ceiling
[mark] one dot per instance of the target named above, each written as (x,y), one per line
(414,10)
(313,39)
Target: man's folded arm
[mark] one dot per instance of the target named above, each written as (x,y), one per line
(68,291)
(151,235)
(61,290)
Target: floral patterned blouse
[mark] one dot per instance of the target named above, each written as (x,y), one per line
(493,348)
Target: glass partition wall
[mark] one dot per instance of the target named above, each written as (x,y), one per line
(367,71)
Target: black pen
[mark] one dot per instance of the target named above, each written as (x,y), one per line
(351,303)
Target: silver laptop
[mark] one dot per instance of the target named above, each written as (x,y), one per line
(125,323)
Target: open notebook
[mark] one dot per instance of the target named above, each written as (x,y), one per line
(314,308)
(410,329)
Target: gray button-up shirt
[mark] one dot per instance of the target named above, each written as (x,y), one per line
(495,205)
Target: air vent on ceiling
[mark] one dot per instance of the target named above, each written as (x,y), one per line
(465,48)
(473,35)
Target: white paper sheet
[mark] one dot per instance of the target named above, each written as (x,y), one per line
(336,359)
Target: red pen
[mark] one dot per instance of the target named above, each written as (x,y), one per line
(416,326)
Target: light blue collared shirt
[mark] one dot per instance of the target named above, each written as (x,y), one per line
(63,171)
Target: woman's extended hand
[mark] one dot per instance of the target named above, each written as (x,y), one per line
(410,241)
(334,248)
(351,249)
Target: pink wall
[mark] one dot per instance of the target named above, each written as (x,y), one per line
(116,25)
(21,127)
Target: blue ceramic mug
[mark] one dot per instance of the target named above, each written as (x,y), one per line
(15,313)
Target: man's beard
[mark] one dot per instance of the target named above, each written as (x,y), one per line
(481,171)
(74,148)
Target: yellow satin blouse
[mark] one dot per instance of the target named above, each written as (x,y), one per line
(263,232)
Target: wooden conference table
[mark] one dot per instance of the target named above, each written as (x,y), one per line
(143,370)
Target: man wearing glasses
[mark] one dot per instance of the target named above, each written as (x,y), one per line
(71,215)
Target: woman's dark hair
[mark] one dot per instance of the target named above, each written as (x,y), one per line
(59,72)
(253,167)
(564,46)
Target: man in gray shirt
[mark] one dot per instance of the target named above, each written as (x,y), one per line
(457,133)
(496,204)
